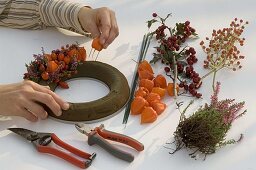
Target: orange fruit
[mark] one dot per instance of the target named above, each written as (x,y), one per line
(153,97)
(54,56)
(52,66)
(148,115)
(148,84)
(145,74)
(160,81)
(138,105)
(61,57)
(72,53)
(96,44)
(45,75)
(159,107)
(144,65)
(81,54)
(159,91)
(67,59)
(142,91)
(170,89)
(63,84)
(48,57)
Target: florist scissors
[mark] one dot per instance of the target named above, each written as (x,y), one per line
(99,135)
(41,140)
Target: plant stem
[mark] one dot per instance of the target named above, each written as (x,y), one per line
(215,70)
(207,74)
(213,80)
(175,75)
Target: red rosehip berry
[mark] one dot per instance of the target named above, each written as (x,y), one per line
(154,14)
(194,60)
(192,86)
(192,30)
(198,95)
(190,62)
(45,76)
(196,79)
(167,69)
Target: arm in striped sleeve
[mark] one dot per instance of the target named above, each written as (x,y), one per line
(22,14)
(61,13)
(38,14)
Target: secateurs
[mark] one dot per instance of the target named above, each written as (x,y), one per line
(99,135)
(41,140)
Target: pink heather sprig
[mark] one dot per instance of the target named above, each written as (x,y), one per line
(227,107)
(233,112)
(55,76)
(214,97)
(39,58)
(74,65)
(223,105)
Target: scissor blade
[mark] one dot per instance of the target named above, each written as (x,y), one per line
(83,128)
(23,132)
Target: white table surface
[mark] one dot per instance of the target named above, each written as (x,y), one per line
(17,47)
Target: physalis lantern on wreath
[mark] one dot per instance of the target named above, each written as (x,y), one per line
(57,66)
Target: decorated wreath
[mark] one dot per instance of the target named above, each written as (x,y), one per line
(69,62)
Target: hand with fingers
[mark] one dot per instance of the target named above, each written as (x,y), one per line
(100,22)
(22,99)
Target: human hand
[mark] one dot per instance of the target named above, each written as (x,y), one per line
(100,22)
(21,99)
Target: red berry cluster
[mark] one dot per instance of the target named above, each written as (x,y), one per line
(179,59)
(227,48)
(191,59)
(191,81)
(160,32)
(185,31)
(222,50)
(193,85)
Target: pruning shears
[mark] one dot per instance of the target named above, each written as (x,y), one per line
(41,140)
(99,135)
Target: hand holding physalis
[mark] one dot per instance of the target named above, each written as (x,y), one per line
(100,22)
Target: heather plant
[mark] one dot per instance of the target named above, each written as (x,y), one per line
(205,130)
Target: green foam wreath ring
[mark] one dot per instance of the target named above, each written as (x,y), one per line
(100,108)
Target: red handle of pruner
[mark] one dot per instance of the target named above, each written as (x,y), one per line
(64,155)
(119,138)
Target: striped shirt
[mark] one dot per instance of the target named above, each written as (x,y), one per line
(39,14)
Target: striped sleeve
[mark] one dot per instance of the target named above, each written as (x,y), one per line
(22,14)
(39,14)
(61,13)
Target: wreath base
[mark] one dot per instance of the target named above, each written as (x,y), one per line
(101,108)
